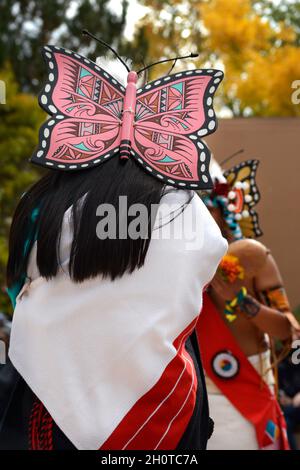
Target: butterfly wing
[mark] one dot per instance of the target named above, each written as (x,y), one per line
(172,114)
(85,103)
(250,225)
(245,172)
(72,144)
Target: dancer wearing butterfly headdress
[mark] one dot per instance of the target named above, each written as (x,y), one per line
(244,309)
(103,351)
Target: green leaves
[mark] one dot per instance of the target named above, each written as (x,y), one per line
(20,119)
(25,26)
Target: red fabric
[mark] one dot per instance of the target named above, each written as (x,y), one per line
(160,417)
(247,392)
(40,428)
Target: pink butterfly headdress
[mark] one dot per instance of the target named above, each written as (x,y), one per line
(94,117)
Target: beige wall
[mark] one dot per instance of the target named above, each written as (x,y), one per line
(276,143)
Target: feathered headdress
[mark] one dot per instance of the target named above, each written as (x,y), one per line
(235,192)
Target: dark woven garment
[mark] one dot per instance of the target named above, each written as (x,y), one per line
(25,424)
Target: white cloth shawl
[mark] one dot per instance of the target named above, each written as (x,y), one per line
(89,351)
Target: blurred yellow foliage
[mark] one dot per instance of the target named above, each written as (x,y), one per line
(260,57)
(234,30)
(267,87)
(260,61)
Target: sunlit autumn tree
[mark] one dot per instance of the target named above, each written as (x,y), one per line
(255,43)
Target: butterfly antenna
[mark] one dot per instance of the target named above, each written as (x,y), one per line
(190,56)
(87,33)
(145,78)
(170,70)
(231,156)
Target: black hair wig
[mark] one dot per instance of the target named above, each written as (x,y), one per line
(90,256)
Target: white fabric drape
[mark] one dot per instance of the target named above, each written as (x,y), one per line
(89,351)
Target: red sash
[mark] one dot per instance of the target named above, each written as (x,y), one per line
(228,367)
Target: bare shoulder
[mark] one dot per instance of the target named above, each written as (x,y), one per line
(253,247)
(252,254)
